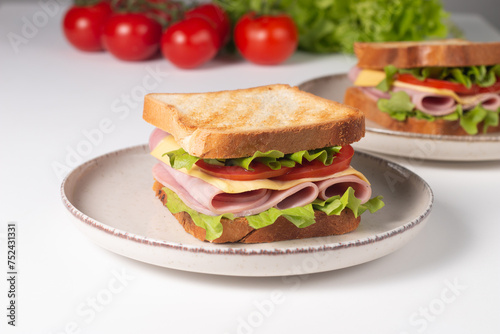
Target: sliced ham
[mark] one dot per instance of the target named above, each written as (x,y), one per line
(205,198)
(432,104)
(338,186)
(161,175)
(490,101)
(375,94)
(353,73)
(155,137)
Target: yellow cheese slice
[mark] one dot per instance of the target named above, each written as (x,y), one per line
(371,78)
(168,144)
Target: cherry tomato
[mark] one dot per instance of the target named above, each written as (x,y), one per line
(215,14)
(266,40)
(132,36)
(260,171)
(190,43)
(316,168)
(83,25)
(443,84)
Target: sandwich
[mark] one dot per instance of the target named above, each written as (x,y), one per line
(443,87)
(255,165)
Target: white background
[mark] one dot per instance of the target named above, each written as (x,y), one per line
(51,95)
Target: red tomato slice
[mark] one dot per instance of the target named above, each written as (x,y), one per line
(435,83)
(493,88)
(316,168)
(260,171)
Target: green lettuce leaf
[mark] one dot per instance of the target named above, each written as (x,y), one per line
(269,158)
(390,72)
(419,73)
(491,119)
(336,204)
(483,76)
(273,159)
(181,159)
(211,224)
(325,155)
(460,77)
(299,216)
(472,118)
(398,106)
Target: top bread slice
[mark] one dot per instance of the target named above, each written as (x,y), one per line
(439,53)
(237,123)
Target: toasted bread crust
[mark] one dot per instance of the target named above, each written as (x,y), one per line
(334,124)
(238,230)
(443,53)
(357,98)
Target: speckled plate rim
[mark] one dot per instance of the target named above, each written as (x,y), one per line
(241,250)
(490,137)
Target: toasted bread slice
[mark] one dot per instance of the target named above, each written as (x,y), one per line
(440,53)
(238,230)
(233,124)
(354,96)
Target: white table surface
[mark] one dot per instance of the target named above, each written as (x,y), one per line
(51,94)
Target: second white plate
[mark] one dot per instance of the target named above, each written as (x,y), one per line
(415,146)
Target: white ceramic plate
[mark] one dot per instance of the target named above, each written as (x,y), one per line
(112,199)
(416,146)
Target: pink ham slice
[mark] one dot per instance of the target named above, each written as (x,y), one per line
(338,186)
(155,137)
(490,101)
(375,94)
(353,73)
(205,198)
(432,104)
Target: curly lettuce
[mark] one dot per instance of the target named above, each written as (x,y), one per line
(273,159)
(482,76)
(334,25)
(300,216)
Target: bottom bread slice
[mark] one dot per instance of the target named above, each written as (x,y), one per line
(355,97)
(238,230)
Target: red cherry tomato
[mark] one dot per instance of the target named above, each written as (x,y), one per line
(260,171)
(316,168)
(215,14)
(83,25)
(266,40)
(132,36)
(190,43)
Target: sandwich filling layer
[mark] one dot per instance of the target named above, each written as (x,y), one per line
(214,196)
(403,95)
(208,198)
